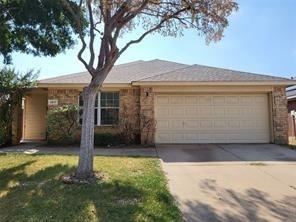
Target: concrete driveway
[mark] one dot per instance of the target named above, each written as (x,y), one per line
(234,182)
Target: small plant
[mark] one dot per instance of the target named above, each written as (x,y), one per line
(129,126)
(62,124)
(147,128)
(106,139)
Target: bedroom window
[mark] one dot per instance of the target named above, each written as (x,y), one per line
(106,109)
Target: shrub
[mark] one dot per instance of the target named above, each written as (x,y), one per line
(106,139)
(129,132)
(147,128)
(62,125)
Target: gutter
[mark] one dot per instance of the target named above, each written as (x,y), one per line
(188,83)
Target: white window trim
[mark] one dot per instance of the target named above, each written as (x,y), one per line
(98,109)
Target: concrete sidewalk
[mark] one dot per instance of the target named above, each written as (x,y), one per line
(36,148)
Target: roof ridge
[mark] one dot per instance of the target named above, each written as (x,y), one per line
(164,73)
(161,60)
(245,72)
(130,63)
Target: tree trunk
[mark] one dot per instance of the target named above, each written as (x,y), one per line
(85,164)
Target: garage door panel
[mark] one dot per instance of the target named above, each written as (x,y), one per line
(190,112)
(220,124)
(246,100)
(204,112)
(205,100)
(176,124)
(176,112)
(191,100)
(178,138)
(218,100)
(206,124)
(234,124)
(163,124)
(219,112)
(176,100)
(212,118)
(163,100)
(191,124)
(260,124)
(232,100)
(163,137)
(162,112)
(233,112)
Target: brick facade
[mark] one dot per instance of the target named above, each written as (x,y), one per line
(129,114)
(71,96)
(279,115)
(137,107)
(147,118)
(129,100)
(129,106)
(64,96)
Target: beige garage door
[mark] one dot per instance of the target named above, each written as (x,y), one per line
(223,118)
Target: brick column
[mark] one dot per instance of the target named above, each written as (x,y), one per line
(147,115)
(129,111)
(280,115)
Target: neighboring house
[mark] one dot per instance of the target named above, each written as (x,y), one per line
(189,103)
(291,97)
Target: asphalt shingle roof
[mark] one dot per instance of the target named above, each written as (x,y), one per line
(165,71)
(125,73)
(199,73)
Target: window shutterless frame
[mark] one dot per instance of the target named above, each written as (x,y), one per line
(110,102)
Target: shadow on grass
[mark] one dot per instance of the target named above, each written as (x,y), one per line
(250,205)
(42,197)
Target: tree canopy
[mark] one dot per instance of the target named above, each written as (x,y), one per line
(38,27)
(108,20)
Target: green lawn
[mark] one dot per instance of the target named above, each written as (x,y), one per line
(135,189)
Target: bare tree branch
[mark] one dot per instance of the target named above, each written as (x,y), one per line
(139,39)
(80,32)
(92,34)
(158,26)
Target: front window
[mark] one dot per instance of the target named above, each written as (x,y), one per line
(109,107)
(106,109)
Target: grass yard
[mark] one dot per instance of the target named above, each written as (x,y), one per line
(135,189)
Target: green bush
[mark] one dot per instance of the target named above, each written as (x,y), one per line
(106,139)
(62,125)
(1,140)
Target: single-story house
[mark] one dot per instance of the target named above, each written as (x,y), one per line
(291,98)
(188,103)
